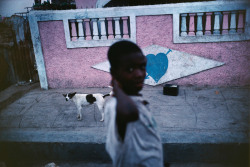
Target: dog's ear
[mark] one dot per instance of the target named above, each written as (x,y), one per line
(64,95)
(72,95)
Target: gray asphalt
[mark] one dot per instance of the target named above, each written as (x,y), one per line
(200,124)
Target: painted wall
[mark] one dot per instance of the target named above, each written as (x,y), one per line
(72,67)
(236,55)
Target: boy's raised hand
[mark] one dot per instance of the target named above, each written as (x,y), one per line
(126,110)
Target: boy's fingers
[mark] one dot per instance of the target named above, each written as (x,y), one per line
(114,83)
(111,82)
(116,86)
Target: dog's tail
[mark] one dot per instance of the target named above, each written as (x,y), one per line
(109,94)
(105,95)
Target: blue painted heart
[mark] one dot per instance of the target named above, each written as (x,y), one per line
(157,65)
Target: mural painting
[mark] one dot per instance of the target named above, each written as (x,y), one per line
(165,64)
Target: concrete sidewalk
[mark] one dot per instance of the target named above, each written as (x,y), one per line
(201,124)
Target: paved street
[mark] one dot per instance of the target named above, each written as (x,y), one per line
(203,124)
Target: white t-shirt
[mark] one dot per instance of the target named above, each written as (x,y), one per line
(141,146)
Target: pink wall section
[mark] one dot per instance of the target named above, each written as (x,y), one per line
(236,55)
(71,68)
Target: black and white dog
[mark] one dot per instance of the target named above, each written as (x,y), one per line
(87,99)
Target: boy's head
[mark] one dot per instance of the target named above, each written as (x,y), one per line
(128,66)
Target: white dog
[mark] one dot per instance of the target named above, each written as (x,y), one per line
(87,99)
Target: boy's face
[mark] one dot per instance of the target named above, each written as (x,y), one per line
(131,73)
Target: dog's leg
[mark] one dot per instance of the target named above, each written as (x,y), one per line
(100,107)
(79,114)
(102,114)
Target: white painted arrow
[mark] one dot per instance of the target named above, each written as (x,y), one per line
(165,64)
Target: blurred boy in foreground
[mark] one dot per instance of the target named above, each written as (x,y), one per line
(132,137)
